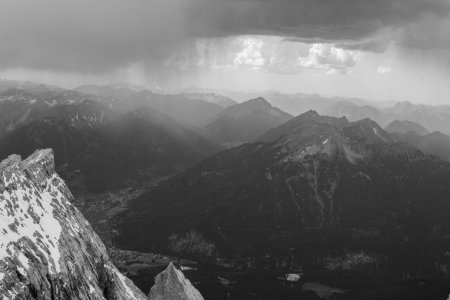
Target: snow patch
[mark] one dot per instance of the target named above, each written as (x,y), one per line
(186,268)
(38,223)
(24,217)
(293,277)
(171,284)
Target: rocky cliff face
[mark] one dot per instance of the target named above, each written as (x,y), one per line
(47,248)
(172,285)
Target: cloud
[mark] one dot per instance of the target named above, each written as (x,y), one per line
(325,56)
(251,54)
(88,36)
(428,32)
(267,54)
(384,69)
(103,35)
(359,24)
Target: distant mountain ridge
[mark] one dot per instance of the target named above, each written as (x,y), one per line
(405,127)
(244,122)
(100,148)
(19,107)
(223,101)
(293,103)
(432,118)
(311,115)
(184,108)
(435,143)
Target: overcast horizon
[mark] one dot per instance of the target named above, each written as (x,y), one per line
(376,50)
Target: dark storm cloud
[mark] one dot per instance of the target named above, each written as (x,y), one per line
(97,36)
(356,24)
(87,35)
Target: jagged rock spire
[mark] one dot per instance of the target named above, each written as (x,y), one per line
(47,248)
(172,285)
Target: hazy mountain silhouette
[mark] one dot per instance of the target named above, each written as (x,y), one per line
(244,122)
(432,118)
(100,148)
(405,127)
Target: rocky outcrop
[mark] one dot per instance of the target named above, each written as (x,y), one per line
(172,285)
(47,248)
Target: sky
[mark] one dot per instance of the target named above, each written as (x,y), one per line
(376,50)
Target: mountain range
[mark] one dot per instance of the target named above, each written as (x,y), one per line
(293,103)
(432,118)
(261,203)
(19,107)
(185,108)
(100,149)
(322,194)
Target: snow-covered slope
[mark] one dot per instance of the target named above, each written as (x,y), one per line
(172,285)
(47,248)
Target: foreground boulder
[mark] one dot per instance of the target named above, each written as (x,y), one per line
(47,248)
(172,285)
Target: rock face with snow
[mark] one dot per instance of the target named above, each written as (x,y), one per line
(47,248)
(172,285)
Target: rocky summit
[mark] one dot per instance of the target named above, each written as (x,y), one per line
(49,251)
(172,285)
(47,248)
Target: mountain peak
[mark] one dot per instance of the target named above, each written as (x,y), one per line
(259,100)
(40,160)
(243,122)
(406,107)
(406,126)
(309,114)
(310,119)
(404,103)
(366,130)
(256,103)
(38,167)
(314,115)
(172,285)
(366,121)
